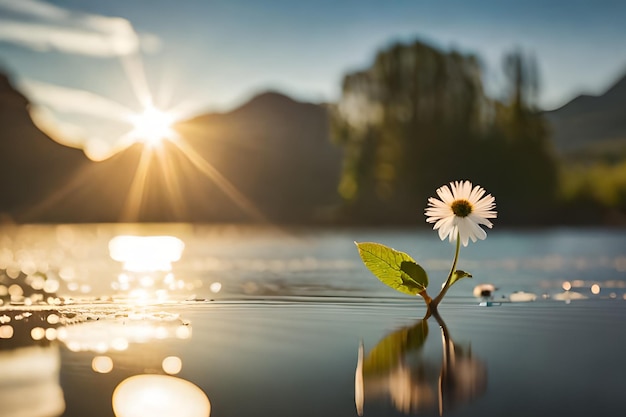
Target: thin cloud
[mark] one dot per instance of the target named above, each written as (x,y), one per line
(71,100)
(79,118)
(42,26)
(73,135)
(34,8)
(44,37)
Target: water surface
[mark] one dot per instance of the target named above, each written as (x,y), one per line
(288,322)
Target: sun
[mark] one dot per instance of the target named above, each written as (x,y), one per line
(152,126)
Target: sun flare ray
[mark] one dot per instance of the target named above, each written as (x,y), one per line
(222,182)
(136,193)
(133,67)
(172,185)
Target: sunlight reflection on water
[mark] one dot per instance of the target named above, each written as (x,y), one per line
(147,267)
(159,396)
(54,264)
(29,356)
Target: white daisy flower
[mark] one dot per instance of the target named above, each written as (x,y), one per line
(461,211)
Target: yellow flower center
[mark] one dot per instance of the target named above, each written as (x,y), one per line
(461,208)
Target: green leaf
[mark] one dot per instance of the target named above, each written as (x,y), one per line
(392,348)
(395,269)
(458,274)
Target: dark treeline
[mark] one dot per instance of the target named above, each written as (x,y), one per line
(419,118)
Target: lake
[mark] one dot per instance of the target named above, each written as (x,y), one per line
(111,320)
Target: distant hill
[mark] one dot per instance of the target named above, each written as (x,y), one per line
(33,167)
(271,159)
(275,151)
(591,122)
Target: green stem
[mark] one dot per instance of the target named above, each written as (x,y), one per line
(434,303)
(448,360)
(426,297)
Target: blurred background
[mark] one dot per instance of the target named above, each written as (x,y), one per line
(310,113)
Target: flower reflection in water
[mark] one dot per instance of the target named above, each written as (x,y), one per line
(395,369)
(463,376)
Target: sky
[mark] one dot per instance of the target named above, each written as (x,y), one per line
(89,65)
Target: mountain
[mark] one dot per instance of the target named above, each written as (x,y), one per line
(268,160)
(275,151)
(591,121)
(32,166)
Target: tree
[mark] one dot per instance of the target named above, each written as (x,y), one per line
(399,122)
(419,118)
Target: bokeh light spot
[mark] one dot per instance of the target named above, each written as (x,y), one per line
(216,287)
(102,364)
(172,365)
(159,396)
(37,333)
(6,331)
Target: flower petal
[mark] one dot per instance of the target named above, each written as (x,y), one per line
(477,231)
(480,220)
(445,195)
(476,195)
(464,230)
(466,190)
(445,227)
